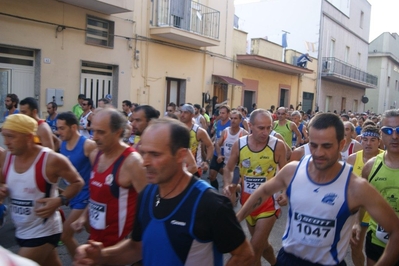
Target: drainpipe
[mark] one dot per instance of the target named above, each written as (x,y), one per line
(320,57)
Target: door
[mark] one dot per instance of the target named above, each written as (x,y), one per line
(5,82)
(220,91)
(249,99)
(95,87)
(284,94)
(173,91)
(307,103)
(343,105)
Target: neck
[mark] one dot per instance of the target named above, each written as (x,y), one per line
(189,124)
(12,110)
(71,143)
(53,115)
(115,150)
(174,186)
(234,130)
(391,159)
(282,122)
(326,175)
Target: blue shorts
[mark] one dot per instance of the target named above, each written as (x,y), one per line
(215,165)
(80,201)
(40,241)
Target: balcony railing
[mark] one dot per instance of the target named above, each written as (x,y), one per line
(334,66)
(186,15)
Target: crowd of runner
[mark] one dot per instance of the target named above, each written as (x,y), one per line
(132,180)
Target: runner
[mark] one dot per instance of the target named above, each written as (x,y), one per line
(370,142)
(323,197)
(258,156)
(351,145)
(180,220)
(29,107)
(117,176)
(31,174)
(216,165)
(198,135)
(382,173)
(285,127)
(86,117)
(77,149)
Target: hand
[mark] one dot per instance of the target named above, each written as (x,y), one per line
(355,234)
(282,199)
(79,224)
(3,191)
(229,190)
(48,206)
(220,159)
(204,166)
(88,254)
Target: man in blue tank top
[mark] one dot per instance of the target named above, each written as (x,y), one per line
(180,219)
(77,149)
(324,197)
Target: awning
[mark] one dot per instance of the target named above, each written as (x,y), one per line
(229,80)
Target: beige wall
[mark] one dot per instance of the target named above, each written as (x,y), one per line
(65,49)
(267,49)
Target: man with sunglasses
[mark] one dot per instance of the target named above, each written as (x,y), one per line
(370,137)
(85,118)
(286,127)
(382,172)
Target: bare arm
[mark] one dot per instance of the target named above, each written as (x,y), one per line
(202,135)
(363,194)
(203,123)
(45,135)
(280,154)
(59,166)
(190,163)
(357,147)
(229,168)
(298,134)
(278,183)
(89,147)
(297,154)
(133,173)
(242,255)
(351,159)
(287,147)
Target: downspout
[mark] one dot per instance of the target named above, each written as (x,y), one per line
(320,56)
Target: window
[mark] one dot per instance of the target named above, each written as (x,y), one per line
(100,32)
(388,81)
(347,50)
(332,48)
(361,19)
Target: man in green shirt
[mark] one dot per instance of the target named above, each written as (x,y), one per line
(77,109)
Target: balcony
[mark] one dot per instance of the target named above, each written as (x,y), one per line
(185,22)
(108,7)
(339,71)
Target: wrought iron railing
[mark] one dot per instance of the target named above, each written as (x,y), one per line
(186,15)
(334,66)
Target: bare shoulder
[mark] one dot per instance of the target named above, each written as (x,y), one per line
(358,189)
(3,154)
(367,167)
(288,171)
(297,154)
(351,159)
(89,146)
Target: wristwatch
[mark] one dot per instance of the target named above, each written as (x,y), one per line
(64,200)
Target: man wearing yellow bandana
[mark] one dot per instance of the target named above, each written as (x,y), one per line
(29,176)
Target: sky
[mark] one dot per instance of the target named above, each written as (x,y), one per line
(383,17)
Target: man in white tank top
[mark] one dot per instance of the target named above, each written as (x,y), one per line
(324,197)
(85,118)
(229,136)
(31,173)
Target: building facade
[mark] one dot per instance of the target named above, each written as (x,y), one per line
(383,62)
(343,52)
(54,50)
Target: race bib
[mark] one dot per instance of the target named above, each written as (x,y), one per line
(22,211)
(381,234)
(97,214)
(313,231)
(252,183)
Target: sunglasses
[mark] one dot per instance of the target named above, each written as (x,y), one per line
(84,104)
(280,113)
(389,130)
(169,110)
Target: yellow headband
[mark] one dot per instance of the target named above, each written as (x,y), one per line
(21,123)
